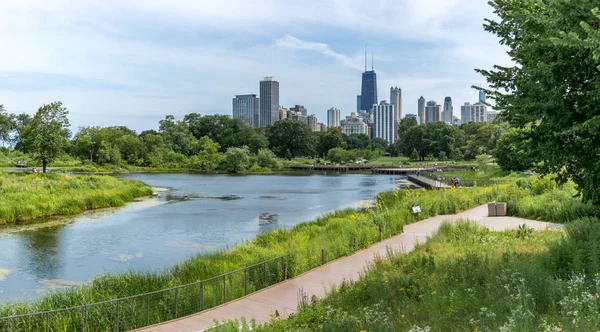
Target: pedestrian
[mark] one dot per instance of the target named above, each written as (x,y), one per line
(457,182)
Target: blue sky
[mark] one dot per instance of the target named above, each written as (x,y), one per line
(132,62)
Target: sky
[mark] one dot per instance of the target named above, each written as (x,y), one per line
(132,62)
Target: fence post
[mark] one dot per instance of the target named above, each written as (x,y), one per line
(83,317)
(265,271)
(202,295)
(284,267)
(47,321)
(355,244)
(322,256)
(148,309)
(118,307)
(224,288)
(245,281)
(176,300)
(380,233)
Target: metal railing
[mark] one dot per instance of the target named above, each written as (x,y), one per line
(155,307)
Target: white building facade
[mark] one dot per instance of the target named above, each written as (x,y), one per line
(385,124)
(333,117)
(354,124)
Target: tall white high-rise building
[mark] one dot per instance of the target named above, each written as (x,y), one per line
(479,112)
(396,100)
(421,111)
(384,121)
(333,117)
(246,108)
(448,110)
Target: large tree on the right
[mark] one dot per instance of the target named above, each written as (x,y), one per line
(554,85)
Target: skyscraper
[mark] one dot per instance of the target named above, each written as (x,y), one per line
(311,121)
(333,117)
(465,113)
(421,111)
(396,100)
(246,108)
(368,93)
(269,101)
(482,97)
(385,124)
(448,109)
(358,103)
(432,112)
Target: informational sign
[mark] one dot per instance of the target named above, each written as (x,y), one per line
(416,209)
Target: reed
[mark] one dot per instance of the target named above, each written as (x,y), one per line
(28,196)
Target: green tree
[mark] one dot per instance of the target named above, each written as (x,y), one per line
(356,141)
(330,139)
(236,159)
(44,136)
(291,135)
(513,150)
(339,155)
(266,158)
(209,156)
(414,155)
(553,84)
(406,124)
(6,124)
(178,136)
(379,144)
(21,122)
(482,161)
(86,144)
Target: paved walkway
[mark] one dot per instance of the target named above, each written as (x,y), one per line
(283,297)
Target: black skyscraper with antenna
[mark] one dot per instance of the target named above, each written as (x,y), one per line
(369,87)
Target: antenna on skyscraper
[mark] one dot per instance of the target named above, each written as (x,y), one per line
(365,58)
(372,62)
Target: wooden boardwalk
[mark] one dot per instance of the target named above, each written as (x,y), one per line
(283,297)
(426,182)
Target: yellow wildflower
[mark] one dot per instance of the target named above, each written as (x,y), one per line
(434,292)
(402,316)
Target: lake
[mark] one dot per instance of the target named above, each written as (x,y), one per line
(193,213)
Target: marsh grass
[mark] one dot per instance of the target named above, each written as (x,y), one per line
(467,279)
(27,196)
(301,246)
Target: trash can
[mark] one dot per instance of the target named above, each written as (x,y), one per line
(492,209)
(501,209)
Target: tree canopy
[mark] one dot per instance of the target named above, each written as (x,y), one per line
(554,86)
(45,134)
(291,135)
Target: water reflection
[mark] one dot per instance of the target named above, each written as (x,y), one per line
(198,213)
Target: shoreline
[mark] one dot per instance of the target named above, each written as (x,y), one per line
(85,216)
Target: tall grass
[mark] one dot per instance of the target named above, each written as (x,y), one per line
(302,247)
(467,279)
(27,196)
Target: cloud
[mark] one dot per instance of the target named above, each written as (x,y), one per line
(107,59)
(293,43)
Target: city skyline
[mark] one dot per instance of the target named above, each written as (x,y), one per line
(135,63)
